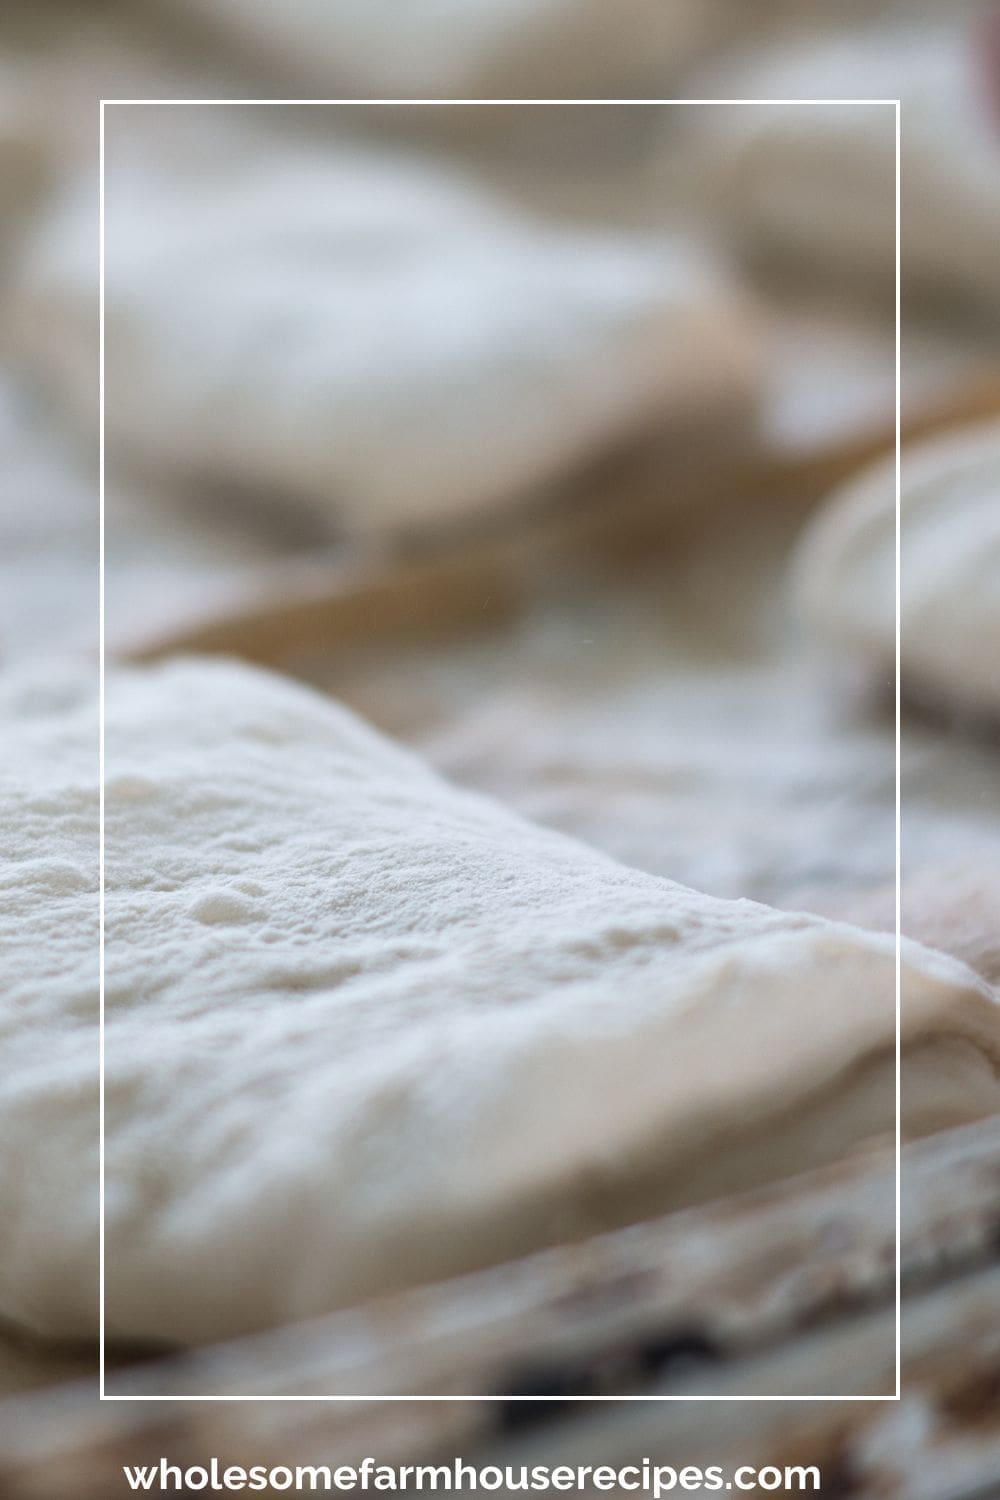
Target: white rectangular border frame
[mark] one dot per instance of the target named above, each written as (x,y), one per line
(510,103)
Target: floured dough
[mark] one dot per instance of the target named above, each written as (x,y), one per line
(364,1029)
(372,338)
(949,569)
(953,908)
(504,48)
(816,180)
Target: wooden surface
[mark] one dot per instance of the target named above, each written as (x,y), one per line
(785,1292)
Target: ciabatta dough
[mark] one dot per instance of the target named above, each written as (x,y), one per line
(953,908)
(364,1029)
(949,569)
(369,338)
(814,181)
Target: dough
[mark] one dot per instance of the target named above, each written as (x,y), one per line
(816,181)
(369,338)
(365,1030)
(949,569)
(479,48)
(953,908)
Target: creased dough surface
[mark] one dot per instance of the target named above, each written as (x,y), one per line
(364,1029)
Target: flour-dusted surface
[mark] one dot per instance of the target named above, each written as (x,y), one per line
(364,1029)
(949,570)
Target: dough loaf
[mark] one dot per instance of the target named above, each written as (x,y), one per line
(371,339)
(953,908)
(365,1030)
(949,569)
(815,181)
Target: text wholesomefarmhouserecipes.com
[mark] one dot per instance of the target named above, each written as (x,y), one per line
(458,1477)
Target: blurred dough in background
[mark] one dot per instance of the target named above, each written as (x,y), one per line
(517,49)
(949,571)
(470,48)
(369,337)
(815,184)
